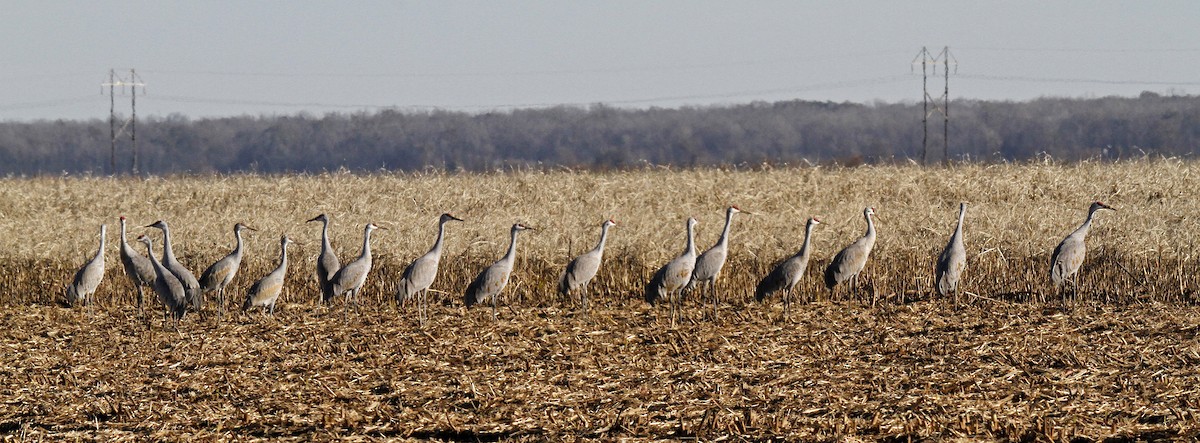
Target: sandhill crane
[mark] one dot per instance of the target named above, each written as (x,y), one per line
(191,286)
(419,274)
(850,261)
(670,279)
(953,260)
(265,292)
(580,270)
(88,278)
(1068,256)
(327,262)
(710,262)
(492,280)
(349,280)
(170,291)
(788,272)
(221,273)
(137,267)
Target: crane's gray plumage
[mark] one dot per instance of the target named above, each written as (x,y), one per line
(349,280)
(88,278)
(191,286)
(492,280)
(670,279)
(265,292)
(327,262)
(137,267)
(221,273)
(419,274)
(1069,254)
(850,261)
(583,268)
(710,262)
(788,272)
(170,291)
(953,260)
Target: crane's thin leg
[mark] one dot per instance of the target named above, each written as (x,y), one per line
(494,306)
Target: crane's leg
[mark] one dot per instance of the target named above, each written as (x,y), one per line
(494,306)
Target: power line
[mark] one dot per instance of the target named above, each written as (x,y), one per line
(1015,78)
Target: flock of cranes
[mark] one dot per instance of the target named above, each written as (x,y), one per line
(179,291)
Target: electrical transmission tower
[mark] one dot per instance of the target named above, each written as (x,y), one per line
(929,63)
(133,82)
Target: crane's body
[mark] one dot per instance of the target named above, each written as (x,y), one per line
(583,268)
(848,263)
(494,278)
(137,267)
(787,274)
(221,273)
(88,278)
(670,279)
(953,259)
(170,291)
(710,262)
(420,274)
(265,292)
(191,286)
(350,278)
(1069,254)
(327,261)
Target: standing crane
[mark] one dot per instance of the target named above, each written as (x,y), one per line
(670,279)
(265,292)
(191,286)
(327,262)
(953,260)
(170,291)
(583,268)
(850,261)
(788,272)
(710,262)
(1068,256)
(492,280)
(419,274)
(221,273)
(88,278)
(349,280)
(137,267)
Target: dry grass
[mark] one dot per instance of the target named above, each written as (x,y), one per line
(1117,361)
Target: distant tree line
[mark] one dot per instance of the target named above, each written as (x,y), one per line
(604,137)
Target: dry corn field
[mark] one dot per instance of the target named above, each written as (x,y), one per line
(1015,360)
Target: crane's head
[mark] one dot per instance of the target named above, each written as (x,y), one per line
(814,221)
(284,241)
(371,227)
(868,212)
(608,223)
(122,218)
(1096,206)
(145,239)
(734,209)
(158,224)
(692,222)
(446,217)
(521,227)
(321,218)
(239,227)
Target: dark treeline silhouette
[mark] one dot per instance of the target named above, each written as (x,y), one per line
(603,137)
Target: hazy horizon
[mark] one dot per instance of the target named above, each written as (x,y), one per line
(228,59)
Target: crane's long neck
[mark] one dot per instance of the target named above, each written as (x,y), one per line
(437,244)
(366,248)
(168,253)
(958,231)
(237,250)
(725,233)
(1087,224)
(123,240)
(150,253)
(603,237)
(807,239)
(283,255)
(691,241)
(512,248)
(103,235)
(325,246)
(870,235)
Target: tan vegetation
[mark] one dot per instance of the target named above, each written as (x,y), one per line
(1118,360)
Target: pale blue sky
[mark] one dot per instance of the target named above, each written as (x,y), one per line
(228,58)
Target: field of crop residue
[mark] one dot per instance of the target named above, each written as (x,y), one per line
(1016,360)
